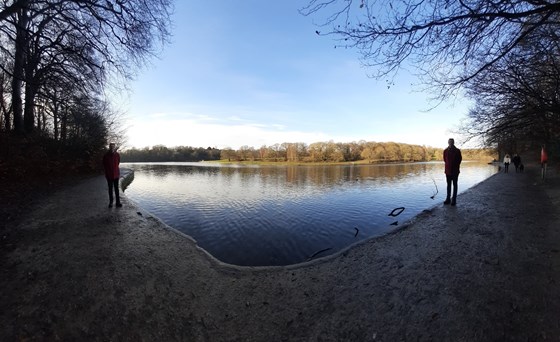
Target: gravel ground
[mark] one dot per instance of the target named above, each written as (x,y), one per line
(485,270)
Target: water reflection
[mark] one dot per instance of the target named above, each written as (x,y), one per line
(278,215)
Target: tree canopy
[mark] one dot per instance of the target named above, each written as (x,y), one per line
(58,57)
(503,54)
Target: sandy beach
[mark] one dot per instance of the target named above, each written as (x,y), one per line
(485,270)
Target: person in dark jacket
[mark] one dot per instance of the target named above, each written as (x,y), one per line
(452,158)
(516,161)
(111,161)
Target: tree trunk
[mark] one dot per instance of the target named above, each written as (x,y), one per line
(44,122)
(29,112)
(6,114)
(6,122)
(19,64)
(55,119)
(63,127)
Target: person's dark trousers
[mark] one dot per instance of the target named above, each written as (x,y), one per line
(113,185)
(451,179)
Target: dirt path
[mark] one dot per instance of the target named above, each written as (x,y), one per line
(486,270)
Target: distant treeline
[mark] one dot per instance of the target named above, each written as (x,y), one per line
(160,153)
(326,152)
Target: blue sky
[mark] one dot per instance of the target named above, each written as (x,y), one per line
(255,73)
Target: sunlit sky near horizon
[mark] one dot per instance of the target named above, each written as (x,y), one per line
(255,73)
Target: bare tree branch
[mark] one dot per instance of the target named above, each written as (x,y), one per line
(448,42)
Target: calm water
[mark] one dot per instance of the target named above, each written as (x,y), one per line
(280,215)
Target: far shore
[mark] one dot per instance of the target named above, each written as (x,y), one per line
(301,163)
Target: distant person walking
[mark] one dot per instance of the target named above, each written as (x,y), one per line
(111,161)
(544,161)
(507,161)
(452,158)
(516,161)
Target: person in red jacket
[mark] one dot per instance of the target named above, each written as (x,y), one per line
(452,158)
(111,161)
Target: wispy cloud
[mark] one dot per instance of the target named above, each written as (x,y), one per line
(158,115)
(200,133)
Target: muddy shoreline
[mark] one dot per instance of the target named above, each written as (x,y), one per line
(486,270)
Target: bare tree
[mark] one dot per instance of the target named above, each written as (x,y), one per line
(11,7)
(447,42)
(20,40)
(105,37)
(517,98)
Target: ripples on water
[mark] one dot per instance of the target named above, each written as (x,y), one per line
(280,215)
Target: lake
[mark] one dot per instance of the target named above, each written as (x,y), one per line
(280,215)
